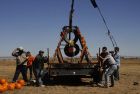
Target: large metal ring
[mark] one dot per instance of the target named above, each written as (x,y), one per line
(71,51)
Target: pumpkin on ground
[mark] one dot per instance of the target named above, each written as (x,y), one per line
(11,86)
(5,87)
(2,81)
(22,82)
(5,84)
(18,86)
(14,84)
(2,89)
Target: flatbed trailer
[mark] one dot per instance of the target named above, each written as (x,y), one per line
(71,69)
(73,45)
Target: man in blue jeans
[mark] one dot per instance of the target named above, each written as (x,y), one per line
(112,67)
(38,66)
(21,62)
(117,62)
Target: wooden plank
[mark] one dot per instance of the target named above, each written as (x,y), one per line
(59,56)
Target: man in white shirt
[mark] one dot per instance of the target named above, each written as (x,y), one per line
(21,62)
(111,66)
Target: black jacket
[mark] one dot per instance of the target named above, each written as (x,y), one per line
(38,62)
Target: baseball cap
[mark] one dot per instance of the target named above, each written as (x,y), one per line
(116,48)
(104,48)
(41,51)
(21,48)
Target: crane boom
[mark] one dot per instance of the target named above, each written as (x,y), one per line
(113,41)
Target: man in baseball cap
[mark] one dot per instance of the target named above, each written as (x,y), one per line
(21,62)
(117,62)
(38,67)
(41,51)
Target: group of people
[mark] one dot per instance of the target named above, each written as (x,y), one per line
(25,61)
(110,64)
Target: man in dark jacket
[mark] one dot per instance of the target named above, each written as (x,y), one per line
(103,55)
(38,66)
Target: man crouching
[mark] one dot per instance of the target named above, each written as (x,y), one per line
(109,62)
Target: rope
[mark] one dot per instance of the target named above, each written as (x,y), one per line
(109,33)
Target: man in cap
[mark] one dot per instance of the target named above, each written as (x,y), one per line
(103,55)
(38,66)
(117,62)
(21,62)
(111,68)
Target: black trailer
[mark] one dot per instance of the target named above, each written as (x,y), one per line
(71,69)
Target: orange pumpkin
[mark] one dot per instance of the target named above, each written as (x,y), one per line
(22,82)
(5,84)
(11,86)
(1,89)
(18,86)
(2,81)
(5,87)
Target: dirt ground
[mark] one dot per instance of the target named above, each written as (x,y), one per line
(129,75)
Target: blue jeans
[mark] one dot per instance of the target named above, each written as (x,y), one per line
(30,69)
(38,75)
(109,73)
(20,69)
(116,73)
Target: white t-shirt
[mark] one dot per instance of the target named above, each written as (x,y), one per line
(110,59)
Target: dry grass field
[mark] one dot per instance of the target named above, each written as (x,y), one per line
(130,73)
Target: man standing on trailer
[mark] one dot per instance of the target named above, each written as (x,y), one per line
(117,62)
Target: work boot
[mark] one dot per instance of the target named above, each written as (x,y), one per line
(42,85)
(106,86)
(100,85)
(111,86)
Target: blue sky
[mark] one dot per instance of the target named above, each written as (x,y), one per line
(36,24)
